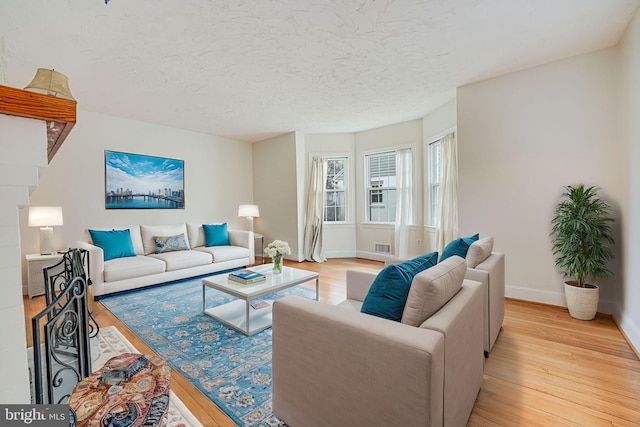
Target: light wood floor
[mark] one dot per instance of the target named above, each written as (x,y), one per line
(546,369)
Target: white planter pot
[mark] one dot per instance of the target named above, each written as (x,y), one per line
(582,302)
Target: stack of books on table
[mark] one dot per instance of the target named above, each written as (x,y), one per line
(246,276)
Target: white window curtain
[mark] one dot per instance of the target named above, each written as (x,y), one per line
(314,218)
(448,197)
(404,204)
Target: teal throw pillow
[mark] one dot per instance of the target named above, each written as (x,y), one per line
(114,243)
(388,293)
(216,234)
(459,247)
(171,243)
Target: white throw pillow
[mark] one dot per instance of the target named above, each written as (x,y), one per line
(149,231)
(479,251)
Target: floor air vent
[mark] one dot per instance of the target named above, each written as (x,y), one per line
(384,248)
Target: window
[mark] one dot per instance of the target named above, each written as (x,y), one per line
(434,179)
(335,203)
(381,186)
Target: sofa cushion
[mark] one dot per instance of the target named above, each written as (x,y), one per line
(433,288)
(479,251)
(183,259)
(216,234)
(225,253)
(458,247)
(388,292)
(195,233)
(147,233)
(171,243)
(114,243)
(130,267)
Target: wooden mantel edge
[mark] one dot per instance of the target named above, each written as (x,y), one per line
(32,105)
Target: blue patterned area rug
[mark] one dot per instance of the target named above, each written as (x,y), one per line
(231,369)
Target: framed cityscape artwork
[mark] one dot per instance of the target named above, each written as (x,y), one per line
(137,181)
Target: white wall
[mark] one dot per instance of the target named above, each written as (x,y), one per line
(367,234)
(275,186)
(339,239)
(215,183)
(628,296)
(521,138)
(24,152)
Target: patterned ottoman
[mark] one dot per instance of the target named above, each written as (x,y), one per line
(130,390)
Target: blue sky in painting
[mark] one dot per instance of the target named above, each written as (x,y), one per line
(142,174)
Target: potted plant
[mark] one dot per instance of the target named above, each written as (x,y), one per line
(582,245)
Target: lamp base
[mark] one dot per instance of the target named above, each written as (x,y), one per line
(46,241)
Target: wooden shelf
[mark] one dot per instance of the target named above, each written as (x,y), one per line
(58,113)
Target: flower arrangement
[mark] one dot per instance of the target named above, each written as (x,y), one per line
(275,250)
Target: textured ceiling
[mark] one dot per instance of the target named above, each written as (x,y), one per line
(254,69)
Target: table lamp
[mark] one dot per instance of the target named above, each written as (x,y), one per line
(249,212)
(45,217)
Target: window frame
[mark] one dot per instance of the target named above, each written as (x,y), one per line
(433,181)
(346,161)
(366,211)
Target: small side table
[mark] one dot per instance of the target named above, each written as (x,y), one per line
(257,236)
(35,277)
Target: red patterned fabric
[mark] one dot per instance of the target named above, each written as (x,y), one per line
(130,390)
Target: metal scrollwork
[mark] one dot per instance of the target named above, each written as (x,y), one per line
(64,325)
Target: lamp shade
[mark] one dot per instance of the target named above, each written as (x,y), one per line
(51,82)
(249,211)
(45,216)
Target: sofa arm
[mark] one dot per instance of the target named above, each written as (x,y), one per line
(244,239)
(490,273)
(359,281)
(96,265)
(460,321)
(332,367)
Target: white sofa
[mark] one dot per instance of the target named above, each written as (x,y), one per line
(149,268)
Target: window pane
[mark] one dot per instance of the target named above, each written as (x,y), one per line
(335,194)
(335,174)
(382,207)
(381,182)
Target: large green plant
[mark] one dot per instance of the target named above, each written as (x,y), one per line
(582,241)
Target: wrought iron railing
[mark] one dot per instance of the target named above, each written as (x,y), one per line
(65,356)
(61,332)
(74,263)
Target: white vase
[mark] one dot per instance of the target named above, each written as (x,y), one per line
(582,302)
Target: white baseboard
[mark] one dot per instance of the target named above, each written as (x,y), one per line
(629,328)
(375,256)
(340,254)
(535,295)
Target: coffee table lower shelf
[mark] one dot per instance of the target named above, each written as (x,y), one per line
(240,313)
(234,315)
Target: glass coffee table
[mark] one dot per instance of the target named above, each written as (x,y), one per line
(243,314)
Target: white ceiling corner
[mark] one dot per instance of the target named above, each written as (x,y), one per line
(253,69)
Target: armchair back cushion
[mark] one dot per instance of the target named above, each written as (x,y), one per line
(432,289)
(388,293)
